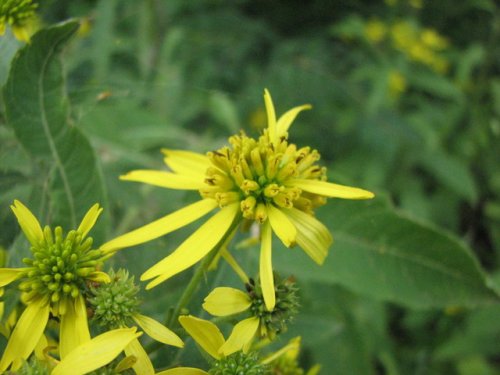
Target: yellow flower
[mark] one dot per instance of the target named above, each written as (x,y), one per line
(396,83)
(375,30)
(267,181)
(52,282)
(18,14)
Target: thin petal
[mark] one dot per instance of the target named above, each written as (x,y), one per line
(195,247)
(288,117)
(205,333)
(143,364)
(89,219)
(96,353)
(242,334)
(312,235)
(183,371)
(99,277)
(281,225)
(291,350)
(74,327)
(8,275)
(28,222)
(162,226)
(166,179)
(186,162)
(157,331)
(271,116)
(26,334)
(330,190)
(224,301)
(266,267)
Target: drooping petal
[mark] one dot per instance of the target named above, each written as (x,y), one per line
(183,371)
(143,364)
(329,189)
(288,117)
(8,275)
(99,277)
(271,116)
(166,179)
(242,334)
(312,236)
(224,301)
(74,329)
(186,162)
(281,225)
(234,265)
(157,331)
(266,267)
(162,226)
(96,353)
(291,350)
(26,334)
(195,247)
(89,219)
(205,333)
(28,222)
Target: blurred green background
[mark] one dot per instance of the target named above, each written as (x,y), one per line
(406,103)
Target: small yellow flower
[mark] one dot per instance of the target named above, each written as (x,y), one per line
(375,30)
(18,14)
(396,83)
(52,283)
(267,181)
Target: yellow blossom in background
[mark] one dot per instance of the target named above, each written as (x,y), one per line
(375,30)
(20,16)
(52,283)
(396,83)
(267,181)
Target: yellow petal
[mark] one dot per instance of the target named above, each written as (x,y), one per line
(157,331)
(225,301)
(195,247)
(99,277)
(291,350)
(281,225)
(74,327)
(21,33)
(242,334)
(271,116)
(26,334)
(143,364)
(28,222)
(186,162)
(183,371)
(8,275)
(89,219)
(312,236)
(162,226)
(166,179)
(96,353)
(314,370)
(205,333)
(266,267)
(330,190)
(288,117)
(234,265)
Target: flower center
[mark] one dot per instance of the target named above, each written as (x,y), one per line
(258,172)
(238,364)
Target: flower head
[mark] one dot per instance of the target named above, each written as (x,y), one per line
(17,14)
(267,181)
(54,281)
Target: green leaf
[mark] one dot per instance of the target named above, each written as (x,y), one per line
(388,256)
(37,108)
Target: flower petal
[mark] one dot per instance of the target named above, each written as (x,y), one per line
(157,331)
(266,267)
(288,117)
(143,364)
(183,371)
(312,236)
(8,275)
(330,190)
(186,162)
(26,334)
(99,277)
(271,116)
(162,226)
(290,350)
(96,353)
(242,334)
(281,225)
(28,222)
(195,247)
(205,333)
(89,219)
(74,327)
(166,179)
(224,301)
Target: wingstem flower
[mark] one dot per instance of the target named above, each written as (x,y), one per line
(267,181)
(52,283)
